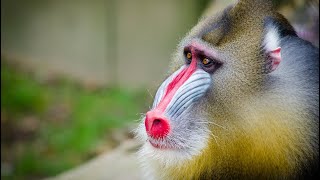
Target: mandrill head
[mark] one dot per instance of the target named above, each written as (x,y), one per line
(209,74)
(235,103)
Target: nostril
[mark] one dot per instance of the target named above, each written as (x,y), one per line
(156,122)
(157,126)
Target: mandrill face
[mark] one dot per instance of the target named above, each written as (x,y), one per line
(212,75)
(174,129)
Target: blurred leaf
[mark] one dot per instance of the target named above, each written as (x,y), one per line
(71,122)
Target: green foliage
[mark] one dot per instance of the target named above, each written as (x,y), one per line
(20,94)
(70,122)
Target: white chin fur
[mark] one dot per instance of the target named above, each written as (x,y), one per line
(149,155)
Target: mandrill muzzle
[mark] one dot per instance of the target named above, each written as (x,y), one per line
(175,95)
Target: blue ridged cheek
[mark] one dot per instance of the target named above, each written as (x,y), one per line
(191,91)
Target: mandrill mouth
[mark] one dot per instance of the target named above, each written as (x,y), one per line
(161,144)
(174,98)
(156,145)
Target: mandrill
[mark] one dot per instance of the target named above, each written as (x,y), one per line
(241,102)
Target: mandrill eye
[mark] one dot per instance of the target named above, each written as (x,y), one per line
(188,56)
(210,65)
(206,61)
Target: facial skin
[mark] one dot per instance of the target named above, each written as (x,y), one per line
(240,102)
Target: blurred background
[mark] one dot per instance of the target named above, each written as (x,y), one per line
(77,74)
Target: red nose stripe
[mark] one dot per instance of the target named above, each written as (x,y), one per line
(175,84)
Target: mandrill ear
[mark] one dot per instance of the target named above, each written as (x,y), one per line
(271,45)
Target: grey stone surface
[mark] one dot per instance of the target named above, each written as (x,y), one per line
(119,164)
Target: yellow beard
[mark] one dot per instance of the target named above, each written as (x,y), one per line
(261,145)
